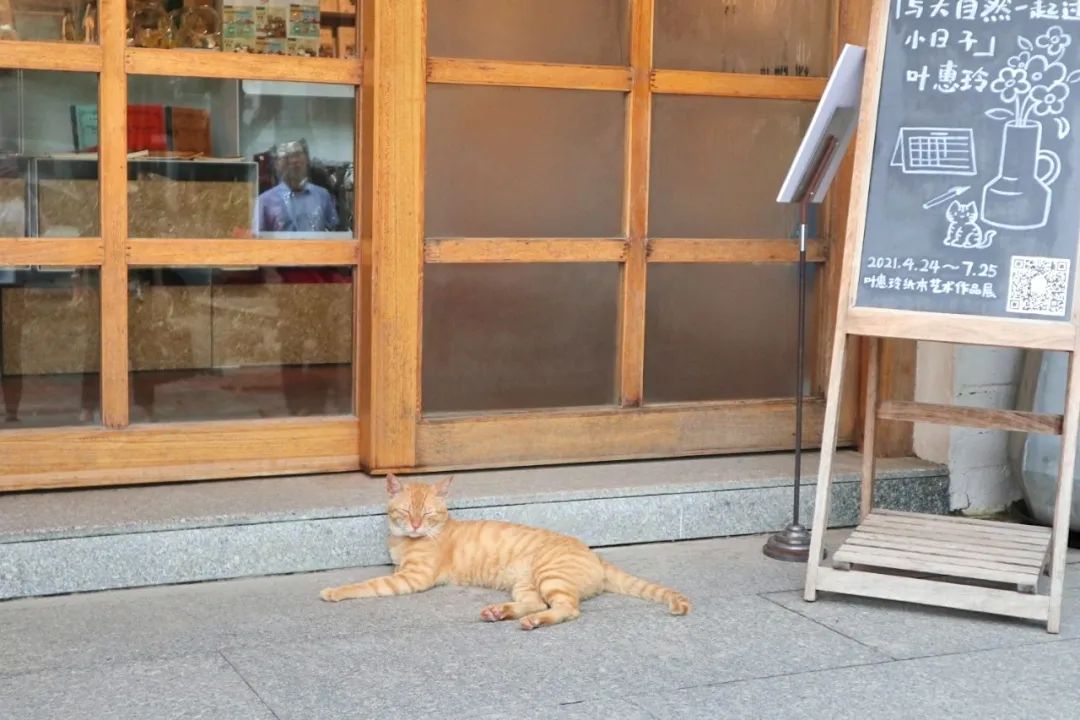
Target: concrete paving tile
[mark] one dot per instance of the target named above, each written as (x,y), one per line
(1030,682)
(551,710)
(451,669)
(52,632)
(194,687)
(80,630)
(704,569)
(903,630)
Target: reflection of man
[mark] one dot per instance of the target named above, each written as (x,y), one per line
(295,204)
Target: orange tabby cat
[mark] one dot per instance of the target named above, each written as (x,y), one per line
(547,574)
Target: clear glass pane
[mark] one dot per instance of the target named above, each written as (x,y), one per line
(511,162)
(49,346)
(718,163)
(47,189)
(215,344)
(722,332)
(73,21)
(501,337)
(240,158)
(589,32)
(768,37)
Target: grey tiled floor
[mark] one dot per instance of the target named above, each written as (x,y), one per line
(268,648)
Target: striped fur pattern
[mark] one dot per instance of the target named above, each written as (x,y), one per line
(546,574)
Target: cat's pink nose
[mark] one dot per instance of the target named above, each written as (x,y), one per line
(415,525)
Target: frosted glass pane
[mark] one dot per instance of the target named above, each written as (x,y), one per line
(722,332)
(769,37)
(520,162)
(230,344)
(500,337)
(50,348)
(592,32)
(718,163)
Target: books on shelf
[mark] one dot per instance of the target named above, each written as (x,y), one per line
(188,129)
(154,128)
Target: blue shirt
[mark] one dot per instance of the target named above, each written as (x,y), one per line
(310,209)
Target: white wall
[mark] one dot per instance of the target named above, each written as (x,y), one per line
(978,460)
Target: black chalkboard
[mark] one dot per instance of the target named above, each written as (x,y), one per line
(974,197)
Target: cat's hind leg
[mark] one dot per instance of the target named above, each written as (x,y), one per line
(564,599)
(527,600)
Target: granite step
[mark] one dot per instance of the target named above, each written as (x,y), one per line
(69,541)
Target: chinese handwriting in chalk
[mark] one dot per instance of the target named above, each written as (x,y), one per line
(989,11)
(951,78)
(931,286)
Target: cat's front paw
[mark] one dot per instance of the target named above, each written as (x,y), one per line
(330,595)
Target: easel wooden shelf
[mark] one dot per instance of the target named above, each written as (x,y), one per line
(953,562)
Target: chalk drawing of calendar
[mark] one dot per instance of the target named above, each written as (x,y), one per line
(935,151)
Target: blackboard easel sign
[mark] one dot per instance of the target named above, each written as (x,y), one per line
(964,227)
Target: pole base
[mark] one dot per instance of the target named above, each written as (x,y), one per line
(792,544)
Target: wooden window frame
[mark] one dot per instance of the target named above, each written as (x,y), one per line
(117,452)
(389,430)
(633,428)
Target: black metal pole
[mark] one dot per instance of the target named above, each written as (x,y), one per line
(800,360)
(793,542)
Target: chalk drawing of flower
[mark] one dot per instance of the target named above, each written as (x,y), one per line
(1043,72)
(1054,41)
(1036,84)
(1020,60)
(1011,83)
(1048,99)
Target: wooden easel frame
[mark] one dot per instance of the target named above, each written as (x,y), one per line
(963,555)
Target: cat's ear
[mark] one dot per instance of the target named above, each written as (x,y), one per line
(955,205)
(442,488)
(393,485)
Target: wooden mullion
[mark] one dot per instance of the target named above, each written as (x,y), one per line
(79,252)
(361,176)
(631,374)
(528,74)
(156,252)
(112,176)
(363,374)
(738,85)
(686,250)
(70,57)
(232,66)
(395,38)
(524,250)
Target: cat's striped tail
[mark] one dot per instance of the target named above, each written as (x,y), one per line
(621,582)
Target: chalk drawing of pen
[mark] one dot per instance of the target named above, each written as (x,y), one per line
(946,196)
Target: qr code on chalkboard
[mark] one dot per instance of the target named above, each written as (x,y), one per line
(1038,286)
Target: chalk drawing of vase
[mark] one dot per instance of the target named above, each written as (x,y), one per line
(1019,198)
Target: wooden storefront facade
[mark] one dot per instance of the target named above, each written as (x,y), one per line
(444,362)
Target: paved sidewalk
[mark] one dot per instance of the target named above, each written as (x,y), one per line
(268,648)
